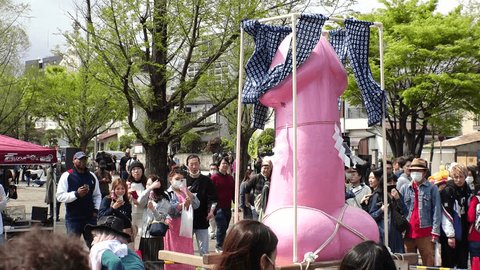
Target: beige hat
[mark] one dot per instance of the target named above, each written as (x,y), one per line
(418,164)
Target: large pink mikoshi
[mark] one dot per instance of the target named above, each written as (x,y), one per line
(325,223)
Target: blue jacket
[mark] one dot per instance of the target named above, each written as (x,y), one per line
(429,205)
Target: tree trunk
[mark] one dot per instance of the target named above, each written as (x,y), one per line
(84,144)
(244,157)
(156,159)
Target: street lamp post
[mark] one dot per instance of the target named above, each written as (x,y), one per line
(441,138)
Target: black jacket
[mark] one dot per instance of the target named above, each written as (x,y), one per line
(205,191)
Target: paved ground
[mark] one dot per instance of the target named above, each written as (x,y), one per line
(35,196)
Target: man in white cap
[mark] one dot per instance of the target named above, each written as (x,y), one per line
(78,188)
(260,184)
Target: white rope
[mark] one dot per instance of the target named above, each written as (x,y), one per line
(310,257)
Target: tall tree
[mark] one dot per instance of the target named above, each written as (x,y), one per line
(82,107)
(432,64)
(157,51)
(14,102)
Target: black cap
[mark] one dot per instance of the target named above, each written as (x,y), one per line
(136,164)
(108,223)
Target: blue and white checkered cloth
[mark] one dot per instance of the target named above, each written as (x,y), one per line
(267,39)
(354,40)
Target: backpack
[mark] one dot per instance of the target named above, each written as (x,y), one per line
(476,224)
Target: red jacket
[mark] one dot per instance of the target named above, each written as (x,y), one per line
(473,234)
(225,187)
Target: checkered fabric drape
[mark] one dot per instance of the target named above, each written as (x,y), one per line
(354,41)
(267,39)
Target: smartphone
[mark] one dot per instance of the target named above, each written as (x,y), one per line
(134,194)
(86,186)
(390,187)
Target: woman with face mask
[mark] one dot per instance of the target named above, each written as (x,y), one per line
(472,180)
(424,214)
(179,196)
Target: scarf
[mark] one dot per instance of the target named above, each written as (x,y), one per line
(194,175)
(106,242)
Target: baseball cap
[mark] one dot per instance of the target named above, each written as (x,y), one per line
(79,155)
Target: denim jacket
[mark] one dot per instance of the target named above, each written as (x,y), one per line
(429,205)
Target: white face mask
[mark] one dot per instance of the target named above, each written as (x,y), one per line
(177,184)
(469,180)
(416,176)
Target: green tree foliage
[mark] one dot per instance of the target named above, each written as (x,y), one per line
(157,52)
(82,107)
(266,141)
(113,145)
(253,145)
(51,137)
(432,64)
(190,143)
(14,102)
(126,141)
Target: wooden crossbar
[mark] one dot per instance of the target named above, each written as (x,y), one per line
(177,257)
(208,261)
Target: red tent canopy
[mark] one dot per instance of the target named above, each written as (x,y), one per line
(15,152)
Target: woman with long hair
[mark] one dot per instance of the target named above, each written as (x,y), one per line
(249,245)
(376,208)
(118,204)
(247,212)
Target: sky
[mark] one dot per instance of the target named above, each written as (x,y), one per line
(48,18)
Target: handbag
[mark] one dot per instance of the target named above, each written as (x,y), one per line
(401,223)
(12,192)
(186,224)
(157,228)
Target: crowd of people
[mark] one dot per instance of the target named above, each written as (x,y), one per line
(134,202)
(425,211)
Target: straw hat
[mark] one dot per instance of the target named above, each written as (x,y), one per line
(418,164)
